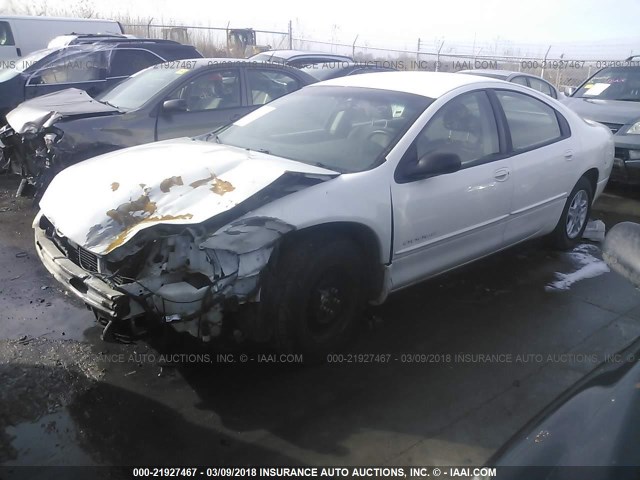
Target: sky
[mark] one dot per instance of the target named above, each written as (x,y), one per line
(577,28)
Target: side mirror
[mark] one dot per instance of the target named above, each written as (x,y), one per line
(568,91)
(175,105)
(432,164)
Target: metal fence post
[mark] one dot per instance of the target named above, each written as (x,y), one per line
(545,61)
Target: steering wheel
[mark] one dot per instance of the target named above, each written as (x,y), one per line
(382,137)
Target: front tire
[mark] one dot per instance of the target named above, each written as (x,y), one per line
(316,295)
(575,216)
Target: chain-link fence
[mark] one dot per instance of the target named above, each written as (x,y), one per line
(560,72)
(223,42)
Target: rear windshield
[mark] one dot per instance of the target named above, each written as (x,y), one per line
(267,57)
(325,70)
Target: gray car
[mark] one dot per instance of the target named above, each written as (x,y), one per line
(520,78)
(298,58)
(611,97)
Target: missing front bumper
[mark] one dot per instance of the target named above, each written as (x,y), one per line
(96,293)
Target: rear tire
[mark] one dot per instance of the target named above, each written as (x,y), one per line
(315,295)
(575,216)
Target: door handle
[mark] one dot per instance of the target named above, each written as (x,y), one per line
(568,154)
(502,174)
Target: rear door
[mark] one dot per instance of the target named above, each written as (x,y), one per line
(211,99)
(542,163)
(265,84)
(450,219)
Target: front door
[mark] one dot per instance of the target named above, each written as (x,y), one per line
(450,219)
(211,100)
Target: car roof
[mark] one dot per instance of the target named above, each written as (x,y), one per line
(48,19)
(154,46)
(198,63)
(118,39)
(501,73)
(348,64)
(289,54)
(427,84)
(206,62)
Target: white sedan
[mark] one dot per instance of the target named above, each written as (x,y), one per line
(283,225)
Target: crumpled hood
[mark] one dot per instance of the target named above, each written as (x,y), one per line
(103,202)
(45,110)
(608,111)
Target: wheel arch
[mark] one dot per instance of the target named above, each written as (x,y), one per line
(362,235)
(593,176)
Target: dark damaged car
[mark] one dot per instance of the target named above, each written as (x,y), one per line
(93,66)
(174,99)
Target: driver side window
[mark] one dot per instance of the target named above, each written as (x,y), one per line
(465,126)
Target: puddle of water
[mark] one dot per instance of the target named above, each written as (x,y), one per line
(51,440)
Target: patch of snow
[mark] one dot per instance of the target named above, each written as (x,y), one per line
(590,267)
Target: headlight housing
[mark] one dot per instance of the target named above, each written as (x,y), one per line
(50,139)
(634,129)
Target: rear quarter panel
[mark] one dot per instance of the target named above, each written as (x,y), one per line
(595,145)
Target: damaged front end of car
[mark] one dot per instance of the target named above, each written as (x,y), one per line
(190,280)
(32,154)
(186,252)
(33,144)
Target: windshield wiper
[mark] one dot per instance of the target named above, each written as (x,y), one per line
(259,150)
(214,135)
(110,104)
(326,167)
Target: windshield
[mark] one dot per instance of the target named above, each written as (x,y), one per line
(615,83)
(19,65)
(346,129)
(141,87)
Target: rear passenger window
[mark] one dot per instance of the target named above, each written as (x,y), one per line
(520,81)
(531,122)
(267,85)
(540,86)
(126,62)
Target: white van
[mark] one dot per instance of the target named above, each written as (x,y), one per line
(21,35)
